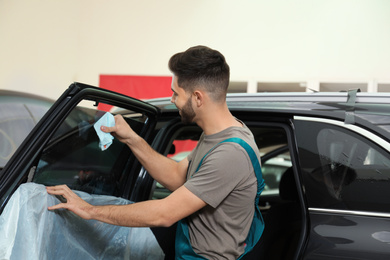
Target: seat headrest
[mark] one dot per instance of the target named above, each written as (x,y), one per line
(287,186)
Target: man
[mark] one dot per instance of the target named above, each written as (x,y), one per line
(214,188)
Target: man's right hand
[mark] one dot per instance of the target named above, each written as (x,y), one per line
(122,131)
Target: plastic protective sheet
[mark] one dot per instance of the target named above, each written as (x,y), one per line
(29,231)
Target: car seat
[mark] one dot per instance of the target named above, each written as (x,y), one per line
(282,224)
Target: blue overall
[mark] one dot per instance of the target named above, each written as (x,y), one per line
(183,248)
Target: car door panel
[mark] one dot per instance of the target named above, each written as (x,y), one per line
(65,140)
(347,236)
(345,174)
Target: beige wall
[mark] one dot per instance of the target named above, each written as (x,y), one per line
(45,45)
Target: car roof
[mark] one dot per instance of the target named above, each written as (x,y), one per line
(368,110)
(8,95)
(289,100)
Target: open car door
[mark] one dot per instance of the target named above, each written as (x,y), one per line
(63,148)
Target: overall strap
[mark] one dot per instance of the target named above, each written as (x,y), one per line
(183,246)
(255,163)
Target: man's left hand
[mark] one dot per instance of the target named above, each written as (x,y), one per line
(73,202)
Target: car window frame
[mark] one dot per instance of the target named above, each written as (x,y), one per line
(17,169)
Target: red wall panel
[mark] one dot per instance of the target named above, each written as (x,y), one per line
(141,87)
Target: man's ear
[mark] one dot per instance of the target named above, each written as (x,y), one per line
(199,97)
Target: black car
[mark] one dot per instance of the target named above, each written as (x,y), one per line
(19,113)
(325,157)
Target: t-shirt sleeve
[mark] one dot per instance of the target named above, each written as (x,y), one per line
(222,170)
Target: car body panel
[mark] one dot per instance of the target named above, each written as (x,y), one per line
(19,113)
(345,236)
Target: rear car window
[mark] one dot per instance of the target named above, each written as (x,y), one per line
(342,169)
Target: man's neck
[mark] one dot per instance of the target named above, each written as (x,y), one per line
(217,121)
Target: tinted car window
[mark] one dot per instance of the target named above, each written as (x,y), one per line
(73,156)
(342,169)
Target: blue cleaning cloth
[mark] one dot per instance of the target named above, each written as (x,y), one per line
(105,138)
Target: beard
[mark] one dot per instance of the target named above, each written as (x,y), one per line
(187,112)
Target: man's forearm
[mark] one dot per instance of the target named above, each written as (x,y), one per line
(164,170)
(161,168)
(142,214)
(151,213)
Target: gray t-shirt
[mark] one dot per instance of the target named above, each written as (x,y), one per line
(227,183)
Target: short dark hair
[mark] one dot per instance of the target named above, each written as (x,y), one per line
(201,66)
